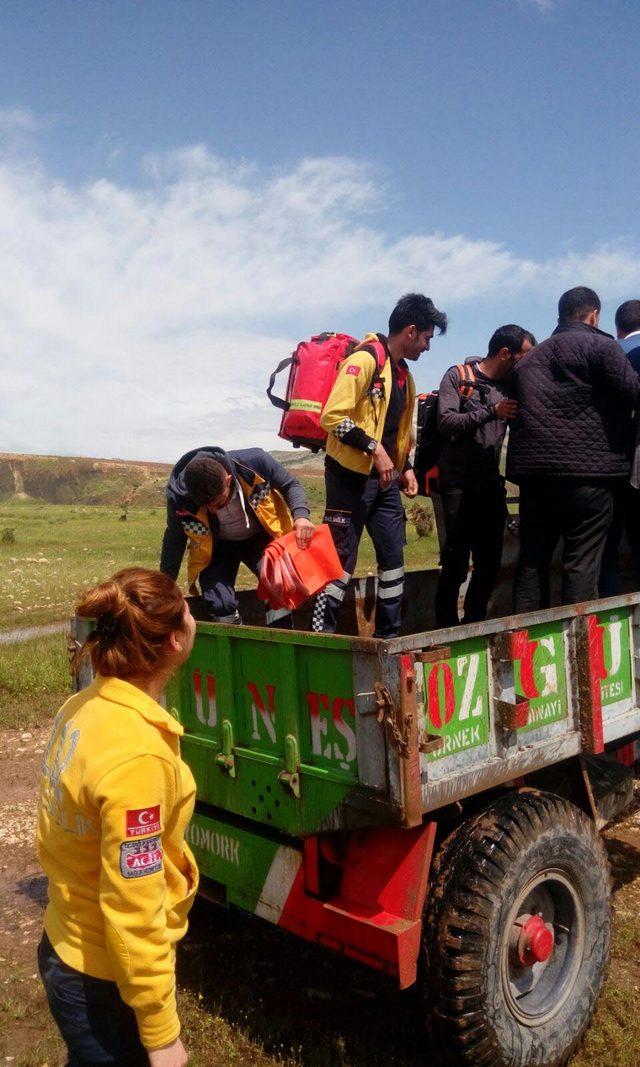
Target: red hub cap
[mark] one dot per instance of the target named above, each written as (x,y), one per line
(535,943)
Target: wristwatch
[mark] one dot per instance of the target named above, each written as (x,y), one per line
(371,447)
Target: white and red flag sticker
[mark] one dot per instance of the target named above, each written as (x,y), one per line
(143,821)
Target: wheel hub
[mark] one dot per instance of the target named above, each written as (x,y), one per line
(536,940)
(543,944)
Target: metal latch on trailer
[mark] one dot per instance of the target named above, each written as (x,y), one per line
(290,776)
(226,759)
(401,731)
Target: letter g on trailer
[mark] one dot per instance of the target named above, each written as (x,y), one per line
(428,806)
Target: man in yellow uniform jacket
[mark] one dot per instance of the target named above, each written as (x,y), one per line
(369,418)
(226,507)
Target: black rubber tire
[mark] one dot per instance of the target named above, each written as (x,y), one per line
(477,876)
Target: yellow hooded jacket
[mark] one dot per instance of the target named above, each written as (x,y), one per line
(115,800)
(360,397)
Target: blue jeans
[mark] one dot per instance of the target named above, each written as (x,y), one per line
(96,1024)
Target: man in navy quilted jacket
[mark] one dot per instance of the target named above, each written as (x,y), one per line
(569,450)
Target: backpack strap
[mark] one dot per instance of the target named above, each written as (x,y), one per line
(380,353)
(376,349)
(276,400)
(467,379)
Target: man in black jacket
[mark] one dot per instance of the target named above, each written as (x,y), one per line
(626,505)
(569,448)
(473,409)
(228,506)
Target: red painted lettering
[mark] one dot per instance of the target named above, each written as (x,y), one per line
(207,716)
(319,723)
(344,729)
(435,711)
(524,650)
(318,707)
(266,711)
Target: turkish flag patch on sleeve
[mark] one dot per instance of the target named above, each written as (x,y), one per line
(352,369)
(143,821)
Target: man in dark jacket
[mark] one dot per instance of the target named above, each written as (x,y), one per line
(473,406)
(569,448)
(626,505)
(228,506)
(628,331)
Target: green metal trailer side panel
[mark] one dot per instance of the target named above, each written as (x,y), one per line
(307,733)
(241,860)
(616,686)
(457,699)
(511,696)
(548,675)
(270,728)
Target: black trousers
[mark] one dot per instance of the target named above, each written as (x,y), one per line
(474,520)
(353,502)
(626,519)
(579,512)
(217,581)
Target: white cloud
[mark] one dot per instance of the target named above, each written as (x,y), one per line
(139,322)
(541,5)
(17,119)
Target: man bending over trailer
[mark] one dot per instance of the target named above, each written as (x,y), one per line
(369,418)
(229,506)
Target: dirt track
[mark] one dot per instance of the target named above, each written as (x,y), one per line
(22,885)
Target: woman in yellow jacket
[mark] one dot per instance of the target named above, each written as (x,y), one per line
(115,800)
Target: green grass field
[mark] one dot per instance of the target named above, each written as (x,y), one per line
(49,552)
(34,680)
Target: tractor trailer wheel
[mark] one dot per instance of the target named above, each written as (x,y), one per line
(516,935)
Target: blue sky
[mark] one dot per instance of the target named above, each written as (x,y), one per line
(187,188)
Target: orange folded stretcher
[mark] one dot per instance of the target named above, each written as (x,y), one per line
(290,575)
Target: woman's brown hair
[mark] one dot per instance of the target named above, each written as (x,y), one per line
(134,612)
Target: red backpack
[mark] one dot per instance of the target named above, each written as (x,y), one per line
(314,369)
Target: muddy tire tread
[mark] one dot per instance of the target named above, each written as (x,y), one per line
(453,986)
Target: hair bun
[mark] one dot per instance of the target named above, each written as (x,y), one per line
(134,611)
(106,600)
